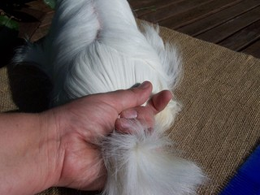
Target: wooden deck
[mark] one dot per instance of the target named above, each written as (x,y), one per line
(234,24)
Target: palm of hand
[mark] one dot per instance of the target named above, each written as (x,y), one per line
(83,167)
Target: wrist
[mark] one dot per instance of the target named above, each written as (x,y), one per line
(53,152)
(30,158)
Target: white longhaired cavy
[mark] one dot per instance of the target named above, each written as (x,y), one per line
(95,46)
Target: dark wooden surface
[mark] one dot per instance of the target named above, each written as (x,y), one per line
(234,24)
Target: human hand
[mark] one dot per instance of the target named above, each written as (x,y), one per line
(81,125)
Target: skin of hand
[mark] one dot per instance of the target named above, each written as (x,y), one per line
(58,147)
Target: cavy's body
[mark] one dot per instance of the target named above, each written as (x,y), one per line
(95,46)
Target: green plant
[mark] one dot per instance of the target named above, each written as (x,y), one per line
(9,22)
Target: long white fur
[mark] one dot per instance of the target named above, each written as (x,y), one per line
(95,46)
(144,163)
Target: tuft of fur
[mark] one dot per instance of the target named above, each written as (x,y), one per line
(145,163)
(95,46)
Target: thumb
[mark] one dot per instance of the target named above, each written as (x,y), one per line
(159,101)
(125,99)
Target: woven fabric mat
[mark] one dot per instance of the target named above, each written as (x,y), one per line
(6,101)
(220,122)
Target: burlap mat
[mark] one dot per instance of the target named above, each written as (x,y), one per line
(220,122)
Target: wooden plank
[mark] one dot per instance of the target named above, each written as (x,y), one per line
(197,13)
(253,49)
(218,18)
(155,6)
(221,32)
(172,10)
(136,4)
(243,38)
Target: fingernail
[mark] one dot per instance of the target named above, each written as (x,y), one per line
(145,85)
(136,85)
(129,114)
